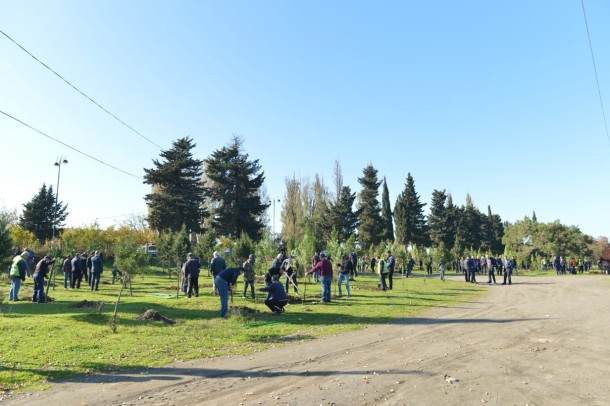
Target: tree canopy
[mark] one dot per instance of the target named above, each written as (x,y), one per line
(42,216)
(177,193)
(233,185)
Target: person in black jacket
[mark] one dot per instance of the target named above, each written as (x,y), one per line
(191,270)
(42,269)
(277,298)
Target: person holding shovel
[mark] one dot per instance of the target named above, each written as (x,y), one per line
(224,282)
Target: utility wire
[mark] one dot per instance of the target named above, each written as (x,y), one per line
(79,91)
(71,147)
(599,92)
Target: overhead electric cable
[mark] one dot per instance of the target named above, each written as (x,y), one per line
(79,91)
(599,92)
(71,147)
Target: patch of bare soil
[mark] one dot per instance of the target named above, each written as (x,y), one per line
(243,310)
(87,303)
(153,315)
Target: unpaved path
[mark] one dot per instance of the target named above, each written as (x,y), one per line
(541,341)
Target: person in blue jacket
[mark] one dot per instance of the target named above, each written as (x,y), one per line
(277,295)
(224,281)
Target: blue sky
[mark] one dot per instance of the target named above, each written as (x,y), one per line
(494,99)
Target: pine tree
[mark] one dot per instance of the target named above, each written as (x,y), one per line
(386,213)
(438,227)
(233,188)
(409,217)
(177,196)
(41,214)
(342,216)
(471,224)
(371,226)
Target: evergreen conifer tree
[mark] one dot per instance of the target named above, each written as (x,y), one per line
(177,192)
(342,216)
(409,217)
(233,187)
(438,227)
(386,213)
(371,226)
(40,215)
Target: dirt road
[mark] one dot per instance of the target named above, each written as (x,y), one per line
(540,341)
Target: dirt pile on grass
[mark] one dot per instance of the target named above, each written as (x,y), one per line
(244,310)
(153,315)
(86,303)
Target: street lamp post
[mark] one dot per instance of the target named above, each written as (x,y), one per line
(59,162)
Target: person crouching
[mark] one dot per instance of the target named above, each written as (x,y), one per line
(277,298)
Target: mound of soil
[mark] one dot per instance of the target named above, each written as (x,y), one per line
(243,310)
(86,303)
(294,299)
(153,315)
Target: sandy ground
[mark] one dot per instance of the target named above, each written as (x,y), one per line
(540,341)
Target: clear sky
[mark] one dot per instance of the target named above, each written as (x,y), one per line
(497,99)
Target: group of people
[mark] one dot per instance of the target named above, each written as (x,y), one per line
(562,267)
(487,264)
(225,279)
(80,266)
(74,268)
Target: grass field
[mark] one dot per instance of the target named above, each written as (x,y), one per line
(50,341)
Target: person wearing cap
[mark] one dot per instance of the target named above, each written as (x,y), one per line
(41,272)
(225,282)
(17,274)
(326,275)
(217,265)
(249,275)
(97,267)
(277,295)
(191,273)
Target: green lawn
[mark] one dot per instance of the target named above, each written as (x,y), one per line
(46,342)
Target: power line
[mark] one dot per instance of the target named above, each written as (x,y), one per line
(71,147)
(79,91)
(599,92)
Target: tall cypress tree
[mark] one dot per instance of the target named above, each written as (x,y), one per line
(409,216)
(371,225)
(233,188)
(177,192)
(386,213)
(40,215)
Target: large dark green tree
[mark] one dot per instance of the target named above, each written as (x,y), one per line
(342,215)
(471,225)
(371,226)
(409,216)
(40,215)
(438,220)
(177,192)
(233,188)
(386,213)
